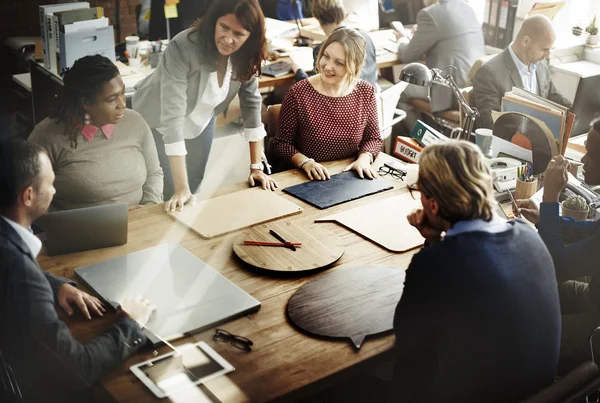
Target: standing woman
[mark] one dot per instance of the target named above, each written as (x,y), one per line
(201,71)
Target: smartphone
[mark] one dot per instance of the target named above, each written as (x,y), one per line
(396,165)
(514,204)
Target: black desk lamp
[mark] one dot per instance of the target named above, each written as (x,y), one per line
(421,75)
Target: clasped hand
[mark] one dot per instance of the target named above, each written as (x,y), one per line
(418,219)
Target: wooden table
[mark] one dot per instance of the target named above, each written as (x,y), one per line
(285,363)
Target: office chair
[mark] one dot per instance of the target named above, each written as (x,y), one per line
(10,389)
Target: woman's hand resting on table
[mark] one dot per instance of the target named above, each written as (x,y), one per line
(362,166)
(265,180)
(177,201)
(315,171)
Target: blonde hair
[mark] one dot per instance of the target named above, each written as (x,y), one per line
(456,175)
(354,46)
(328,11)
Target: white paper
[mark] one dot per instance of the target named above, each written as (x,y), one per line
(303,57)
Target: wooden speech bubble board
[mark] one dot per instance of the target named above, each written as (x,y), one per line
(383,222)
(319,249)
(231,212)
(349,303)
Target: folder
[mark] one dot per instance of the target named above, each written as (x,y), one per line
(506,23)
(548,9)
(490,39)
(486,18)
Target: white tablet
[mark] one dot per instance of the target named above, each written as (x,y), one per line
(191,365)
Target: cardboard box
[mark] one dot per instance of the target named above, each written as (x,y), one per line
(86,38)
(408,149)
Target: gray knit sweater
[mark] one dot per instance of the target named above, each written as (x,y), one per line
(124,169)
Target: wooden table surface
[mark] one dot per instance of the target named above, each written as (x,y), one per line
(285,363)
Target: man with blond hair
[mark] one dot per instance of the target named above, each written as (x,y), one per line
(479,318)
(520,65)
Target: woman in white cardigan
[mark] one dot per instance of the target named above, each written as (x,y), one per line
(201,71)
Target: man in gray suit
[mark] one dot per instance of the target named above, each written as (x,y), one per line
(520,65)
(448,33)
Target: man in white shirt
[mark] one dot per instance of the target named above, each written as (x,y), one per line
(520,65)
(48,363)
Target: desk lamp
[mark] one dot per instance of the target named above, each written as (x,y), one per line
(421,75)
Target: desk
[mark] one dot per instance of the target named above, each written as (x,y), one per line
(285,363)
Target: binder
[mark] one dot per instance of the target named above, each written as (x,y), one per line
(486,18)
(490,39)
(426,135)
(506,23)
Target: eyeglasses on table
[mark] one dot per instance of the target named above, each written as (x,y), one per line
(385,170)
(240,342)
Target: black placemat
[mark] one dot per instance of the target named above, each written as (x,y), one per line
(341,188)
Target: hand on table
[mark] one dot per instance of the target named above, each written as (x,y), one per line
(362,166)
(314,170)
(67,294)
(528,209)
(266,181)
(418,219)
(180,198)
(138,308)
(555,178)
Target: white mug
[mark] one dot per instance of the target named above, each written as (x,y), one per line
(483,139)
(412,174)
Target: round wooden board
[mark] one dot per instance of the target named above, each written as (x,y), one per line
(319,248)
(349,302)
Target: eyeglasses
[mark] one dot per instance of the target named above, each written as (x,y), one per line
(411,187)
(240,342)
(385,170)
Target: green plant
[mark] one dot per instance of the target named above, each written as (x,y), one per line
(575,203)
(592,29)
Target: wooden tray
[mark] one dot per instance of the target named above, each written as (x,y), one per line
(234,211)
(383,222)
(319,249)
(349,303)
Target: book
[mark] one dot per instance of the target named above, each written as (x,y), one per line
(47,31)
(408,149)
(426,135)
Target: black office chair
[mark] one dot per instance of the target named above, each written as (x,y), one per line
(10,389)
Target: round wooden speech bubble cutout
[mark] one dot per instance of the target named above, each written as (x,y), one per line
(349,302)
(318,249)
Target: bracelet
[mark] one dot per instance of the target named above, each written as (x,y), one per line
(305,161)
(258,166)
(370,156)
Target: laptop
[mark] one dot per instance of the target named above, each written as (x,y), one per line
(82,229)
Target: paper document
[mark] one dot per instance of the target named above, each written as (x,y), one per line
(303,58)
(275,28)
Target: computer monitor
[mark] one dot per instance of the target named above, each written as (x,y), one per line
(363,13)
(587,104)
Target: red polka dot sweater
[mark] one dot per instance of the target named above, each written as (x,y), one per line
(327,128)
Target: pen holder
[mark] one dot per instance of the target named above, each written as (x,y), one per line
(153,59)
(525,190)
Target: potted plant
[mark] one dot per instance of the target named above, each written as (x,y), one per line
(577,30)
(575,206)
(592,29)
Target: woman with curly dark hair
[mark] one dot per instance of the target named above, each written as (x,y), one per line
(101,152)
(201,71)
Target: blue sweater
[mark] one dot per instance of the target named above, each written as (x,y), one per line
(479,319)
(572,245)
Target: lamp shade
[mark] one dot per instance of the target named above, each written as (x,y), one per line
(417,74)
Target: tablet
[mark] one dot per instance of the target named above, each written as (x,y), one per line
(190,365)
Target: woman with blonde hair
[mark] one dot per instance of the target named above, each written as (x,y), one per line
(331,15)
(480,301)
(331,115)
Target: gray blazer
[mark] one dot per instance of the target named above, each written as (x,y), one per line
(498,76)
(169,94)
(448,33)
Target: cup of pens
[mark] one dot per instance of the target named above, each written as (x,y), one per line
(526,183)
(132,51)
(154,53)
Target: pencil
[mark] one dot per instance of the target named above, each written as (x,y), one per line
(261,243)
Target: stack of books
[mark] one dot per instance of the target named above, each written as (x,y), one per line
(409,148)
(557,118)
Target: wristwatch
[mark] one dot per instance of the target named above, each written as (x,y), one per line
(258,166)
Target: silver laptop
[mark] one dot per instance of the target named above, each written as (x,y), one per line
(190,295)
(84,229)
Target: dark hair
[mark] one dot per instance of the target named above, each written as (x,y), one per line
(82,83)
(328,11)
(596,125)
(19,169)
(248,59)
